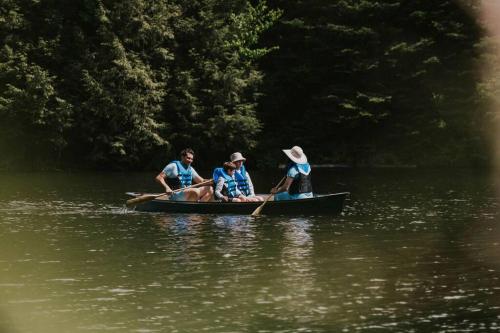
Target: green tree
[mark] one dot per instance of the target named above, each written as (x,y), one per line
(112,84)
(33,115)
(215,84)
(121,72)
(372,81)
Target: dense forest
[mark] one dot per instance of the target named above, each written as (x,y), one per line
(125,85)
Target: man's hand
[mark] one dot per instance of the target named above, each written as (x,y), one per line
(274,190)
(225,198)
(168,191)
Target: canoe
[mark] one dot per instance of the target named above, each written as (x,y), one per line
(320,204)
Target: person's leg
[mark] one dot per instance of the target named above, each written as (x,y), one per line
(178,196)
(199,194)
(254,199)
(205,193)
(282,196)
(191,194)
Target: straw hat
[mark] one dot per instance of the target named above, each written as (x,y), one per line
(296,154)
(237,157)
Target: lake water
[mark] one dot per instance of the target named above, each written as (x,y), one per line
(414,251)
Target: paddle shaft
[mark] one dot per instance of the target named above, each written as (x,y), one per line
(259,209)
(190,186)
(150,197)
(187,187)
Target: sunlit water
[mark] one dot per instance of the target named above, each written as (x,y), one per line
(414,251)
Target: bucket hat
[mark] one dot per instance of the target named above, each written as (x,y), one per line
(237,157)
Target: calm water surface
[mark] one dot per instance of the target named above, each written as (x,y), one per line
(414,251)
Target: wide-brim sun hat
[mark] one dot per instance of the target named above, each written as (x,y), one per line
(296,154)
(235,157)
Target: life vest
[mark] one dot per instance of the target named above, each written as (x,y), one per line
(184,177)
(242,180)
(230,182)
(302,183)
(218,172)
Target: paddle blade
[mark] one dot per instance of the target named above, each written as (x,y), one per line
(257,210)
(141,199)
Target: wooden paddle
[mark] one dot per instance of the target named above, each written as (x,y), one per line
(257,210)
(149,197)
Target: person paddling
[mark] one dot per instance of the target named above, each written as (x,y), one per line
(242,177)
(298,183)
(180,174)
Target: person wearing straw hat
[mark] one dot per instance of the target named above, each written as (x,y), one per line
(297,184)
(180,174)
(242,177)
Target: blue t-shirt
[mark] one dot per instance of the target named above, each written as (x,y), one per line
(171,171)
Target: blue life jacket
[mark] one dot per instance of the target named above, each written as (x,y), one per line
(302,183)
(218,172)
(230,183)
(184,176)
(242,180)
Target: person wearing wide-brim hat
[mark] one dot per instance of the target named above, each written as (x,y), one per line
(297,184)
(242,177)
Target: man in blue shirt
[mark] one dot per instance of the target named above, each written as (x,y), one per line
(179,174)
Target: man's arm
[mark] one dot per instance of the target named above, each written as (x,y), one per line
(161,179)
(169,171)
(196,177)
(250,185)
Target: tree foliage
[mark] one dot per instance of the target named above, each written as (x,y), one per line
(110,84)
(33,114)
(375,81)
(126,85)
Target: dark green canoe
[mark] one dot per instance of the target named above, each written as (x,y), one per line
(320,204)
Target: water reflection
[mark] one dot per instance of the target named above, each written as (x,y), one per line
(180,224)
(200,237)
(57,207)
(296,279)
